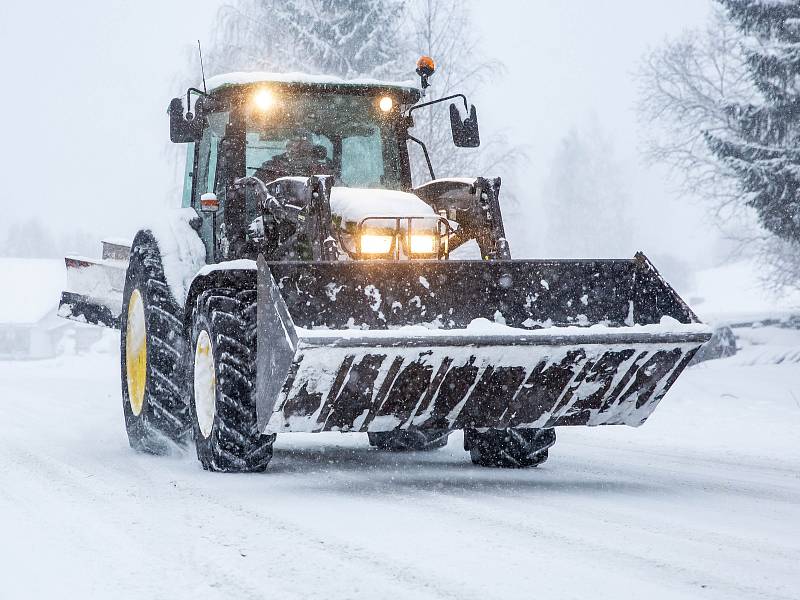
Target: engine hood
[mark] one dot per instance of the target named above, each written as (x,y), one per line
(352,205)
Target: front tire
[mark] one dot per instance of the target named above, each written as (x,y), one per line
(409,440)
(152,346)
(509,448)
(222,375)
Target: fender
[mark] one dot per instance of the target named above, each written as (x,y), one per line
(237,274)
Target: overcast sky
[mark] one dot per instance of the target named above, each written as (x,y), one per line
(86,85)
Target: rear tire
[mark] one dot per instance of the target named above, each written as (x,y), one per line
(154,396)
(409,440)
(222,376)
(509,448)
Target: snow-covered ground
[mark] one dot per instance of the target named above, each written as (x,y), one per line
(735,293)
(703,501)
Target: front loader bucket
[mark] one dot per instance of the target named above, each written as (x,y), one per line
(376,346)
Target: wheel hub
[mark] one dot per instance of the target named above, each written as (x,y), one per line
(205,383)
(136,352)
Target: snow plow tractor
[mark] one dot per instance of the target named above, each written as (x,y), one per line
(307,285)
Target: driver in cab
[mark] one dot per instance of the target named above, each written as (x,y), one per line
(301,158)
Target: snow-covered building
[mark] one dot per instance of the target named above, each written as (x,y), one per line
(29,325)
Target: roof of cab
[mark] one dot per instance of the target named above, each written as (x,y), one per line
(249,78)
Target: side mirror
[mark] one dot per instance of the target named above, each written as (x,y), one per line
(465,133)
(182,129)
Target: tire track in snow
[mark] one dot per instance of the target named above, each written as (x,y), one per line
(745,463)
(686,474)
(668,533)
(345,554)
(52,471)
(590,547)
(392,567)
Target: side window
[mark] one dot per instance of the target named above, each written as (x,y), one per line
(205,179)
(201,174)
(212,163)
(207,155)
(206,165)
(188,173)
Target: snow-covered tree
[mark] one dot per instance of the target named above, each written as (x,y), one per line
(348,38)
(585,204)
(763,148)
(684,86)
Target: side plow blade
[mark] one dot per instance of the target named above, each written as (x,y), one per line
(95,286)
(446,345)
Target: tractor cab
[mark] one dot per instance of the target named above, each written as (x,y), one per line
(254,136)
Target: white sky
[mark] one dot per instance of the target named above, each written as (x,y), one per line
(86,86)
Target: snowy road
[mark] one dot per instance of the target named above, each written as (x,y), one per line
(701,502)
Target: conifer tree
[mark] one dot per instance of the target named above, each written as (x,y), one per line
(348,38)
(764,149)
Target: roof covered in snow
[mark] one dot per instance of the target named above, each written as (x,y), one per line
(31,289)
(246,78)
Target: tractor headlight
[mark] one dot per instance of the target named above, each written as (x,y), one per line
(386,104)
(263,100)
(422,244)
(375,244)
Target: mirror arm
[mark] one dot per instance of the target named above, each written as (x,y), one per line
(425,151)
(189,97)
(462,96)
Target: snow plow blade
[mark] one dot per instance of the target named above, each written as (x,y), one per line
(95,286)
(377,346)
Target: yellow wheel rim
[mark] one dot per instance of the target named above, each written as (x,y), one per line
(205,383)
(136,352)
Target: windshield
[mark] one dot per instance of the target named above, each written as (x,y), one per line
(325,134)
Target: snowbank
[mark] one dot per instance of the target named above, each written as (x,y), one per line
(735,293)
(31,288)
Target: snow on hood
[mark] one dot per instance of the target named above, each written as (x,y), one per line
(354,204)
(244,78)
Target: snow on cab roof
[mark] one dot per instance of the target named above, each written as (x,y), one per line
(246,77)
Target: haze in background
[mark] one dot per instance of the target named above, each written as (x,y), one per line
(86,86)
